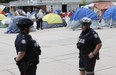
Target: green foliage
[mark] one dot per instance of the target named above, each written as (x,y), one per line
(100,0)
(6,1)
(84,2)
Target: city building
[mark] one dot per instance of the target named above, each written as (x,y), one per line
(52,5)
(49,5)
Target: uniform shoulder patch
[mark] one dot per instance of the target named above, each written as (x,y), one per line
(96,36)
(23,41)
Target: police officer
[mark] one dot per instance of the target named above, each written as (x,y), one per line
(89,45)
(26,58)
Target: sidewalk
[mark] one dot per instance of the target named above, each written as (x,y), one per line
(59,53)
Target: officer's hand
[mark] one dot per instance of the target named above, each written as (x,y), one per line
(16,61)
(91,55)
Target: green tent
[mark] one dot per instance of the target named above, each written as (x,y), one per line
(2,17)
(53,21)
(52,18)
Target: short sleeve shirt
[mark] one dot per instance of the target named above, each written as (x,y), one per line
(96,39)
(21,42)
(88,41)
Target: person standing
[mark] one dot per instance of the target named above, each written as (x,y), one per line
(40,15)
(37,20)
(27,49)
(89,45)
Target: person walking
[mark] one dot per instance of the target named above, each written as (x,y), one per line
(89,45)
(27,49)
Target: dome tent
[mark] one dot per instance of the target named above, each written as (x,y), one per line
(84,12)
(2,17)
(12,28)
(109,16)
(79,14)
(52,21)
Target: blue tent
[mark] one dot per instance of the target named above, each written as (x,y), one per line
(84,12)
(74,22)
(110,13)
(72,17)
(109,16)
(12,28)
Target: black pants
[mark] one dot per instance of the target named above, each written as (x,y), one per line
(39,23)
(86,64)
(27,68)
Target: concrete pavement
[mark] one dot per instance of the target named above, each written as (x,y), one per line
(59,53)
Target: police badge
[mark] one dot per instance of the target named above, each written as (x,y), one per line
(23,41)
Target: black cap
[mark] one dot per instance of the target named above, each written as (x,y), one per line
(24,23)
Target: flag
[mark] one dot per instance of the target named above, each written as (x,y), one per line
(1,9)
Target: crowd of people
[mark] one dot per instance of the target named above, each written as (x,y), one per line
(37,15)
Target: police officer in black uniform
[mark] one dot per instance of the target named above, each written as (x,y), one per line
(27,49)
(89,45)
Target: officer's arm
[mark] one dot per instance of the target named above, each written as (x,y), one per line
(98,43)
(98,47)
(20,55)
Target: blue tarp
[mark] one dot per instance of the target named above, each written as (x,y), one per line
(84,12)
(110,13)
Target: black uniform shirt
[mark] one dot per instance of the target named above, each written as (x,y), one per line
(24,43)
(88,41)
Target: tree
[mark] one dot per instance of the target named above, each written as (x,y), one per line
(84,2)
(6,1)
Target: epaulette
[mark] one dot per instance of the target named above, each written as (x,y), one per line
(23,40)
(23,36)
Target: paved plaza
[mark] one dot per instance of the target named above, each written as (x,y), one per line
(59,53)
